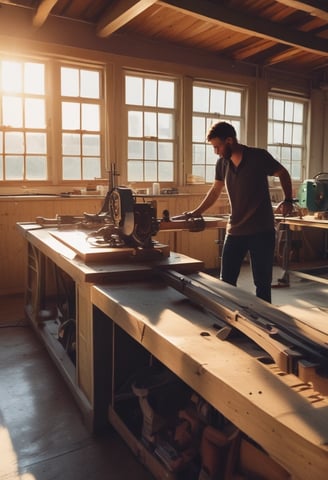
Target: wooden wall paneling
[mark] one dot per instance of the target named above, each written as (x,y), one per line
(13,247)
(203,245)
(200,245)
(14,255)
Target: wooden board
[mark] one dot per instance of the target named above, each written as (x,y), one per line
(77,241)
(80,271)
(305,221)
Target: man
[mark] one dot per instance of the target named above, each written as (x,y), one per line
(244,172)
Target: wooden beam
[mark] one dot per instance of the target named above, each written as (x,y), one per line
(291,54)
(313,7)
(284,56)
(43,12)
(252,49)
(249,25)
(120,13)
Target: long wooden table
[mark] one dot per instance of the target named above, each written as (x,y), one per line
(124,312)
(286,416)
(49,249)
(318,273)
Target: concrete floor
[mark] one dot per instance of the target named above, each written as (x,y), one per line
(42,436)
(301,293)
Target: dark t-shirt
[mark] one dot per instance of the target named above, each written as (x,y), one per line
(248,190)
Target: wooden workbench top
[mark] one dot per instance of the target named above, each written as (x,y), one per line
(111,267)
(284,415)
(305,221)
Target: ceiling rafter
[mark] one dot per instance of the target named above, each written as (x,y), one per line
(313,7)
(292,55)
(247,51)
(120,13)
(250,25)
(292,33)
(283,56)
(43,12)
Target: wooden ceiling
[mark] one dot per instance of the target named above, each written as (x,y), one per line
(290,35)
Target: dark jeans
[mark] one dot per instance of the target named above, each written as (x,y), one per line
(261,249)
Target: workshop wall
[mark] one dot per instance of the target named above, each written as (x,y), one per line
(25,209)
(118,53)
(13,260)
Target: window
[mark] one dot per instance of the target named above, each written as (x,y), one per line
(23,132)
(50,112)
(81,123)
(150,107)
(211,104)
(286,133)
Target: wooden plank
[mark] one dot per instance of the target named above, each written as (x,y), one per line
(78,241)
(305,221)
(67,259)
(260,403)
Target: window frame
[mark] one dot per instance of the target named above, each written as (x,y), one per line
(53,126)
(210,118)
(305,125)
(88,101)
(24,129)
(175,110)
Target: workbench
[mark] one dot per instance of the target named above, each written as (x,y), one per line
(284,415)
(47,257)
(128,319)
(290,224)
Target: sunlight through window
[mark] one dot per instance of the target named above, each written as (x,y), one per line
(211,104)
(150,105)
(23,117)
(81,124)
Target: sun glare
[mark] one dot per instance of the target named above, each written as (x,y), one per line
(9,461)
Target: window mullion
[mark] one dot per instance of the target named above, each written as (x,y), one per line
(53,121)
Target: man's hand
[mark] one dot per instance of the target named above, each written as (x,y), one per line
(284,208)
(186,216)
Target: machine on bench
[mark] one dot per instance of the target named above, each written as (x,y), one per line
(134,224)
(123,221)
(313,195)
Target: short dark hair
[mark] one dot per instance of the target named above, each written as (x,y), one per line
(221,130)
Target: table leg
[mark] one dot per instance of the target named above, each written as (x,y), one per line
(284,280)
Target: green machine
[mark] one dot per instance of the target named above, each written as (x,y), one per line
(313,193)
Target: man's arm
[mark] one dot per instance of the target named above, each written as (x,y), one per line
(286,182)
(210,198)
(286,206)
